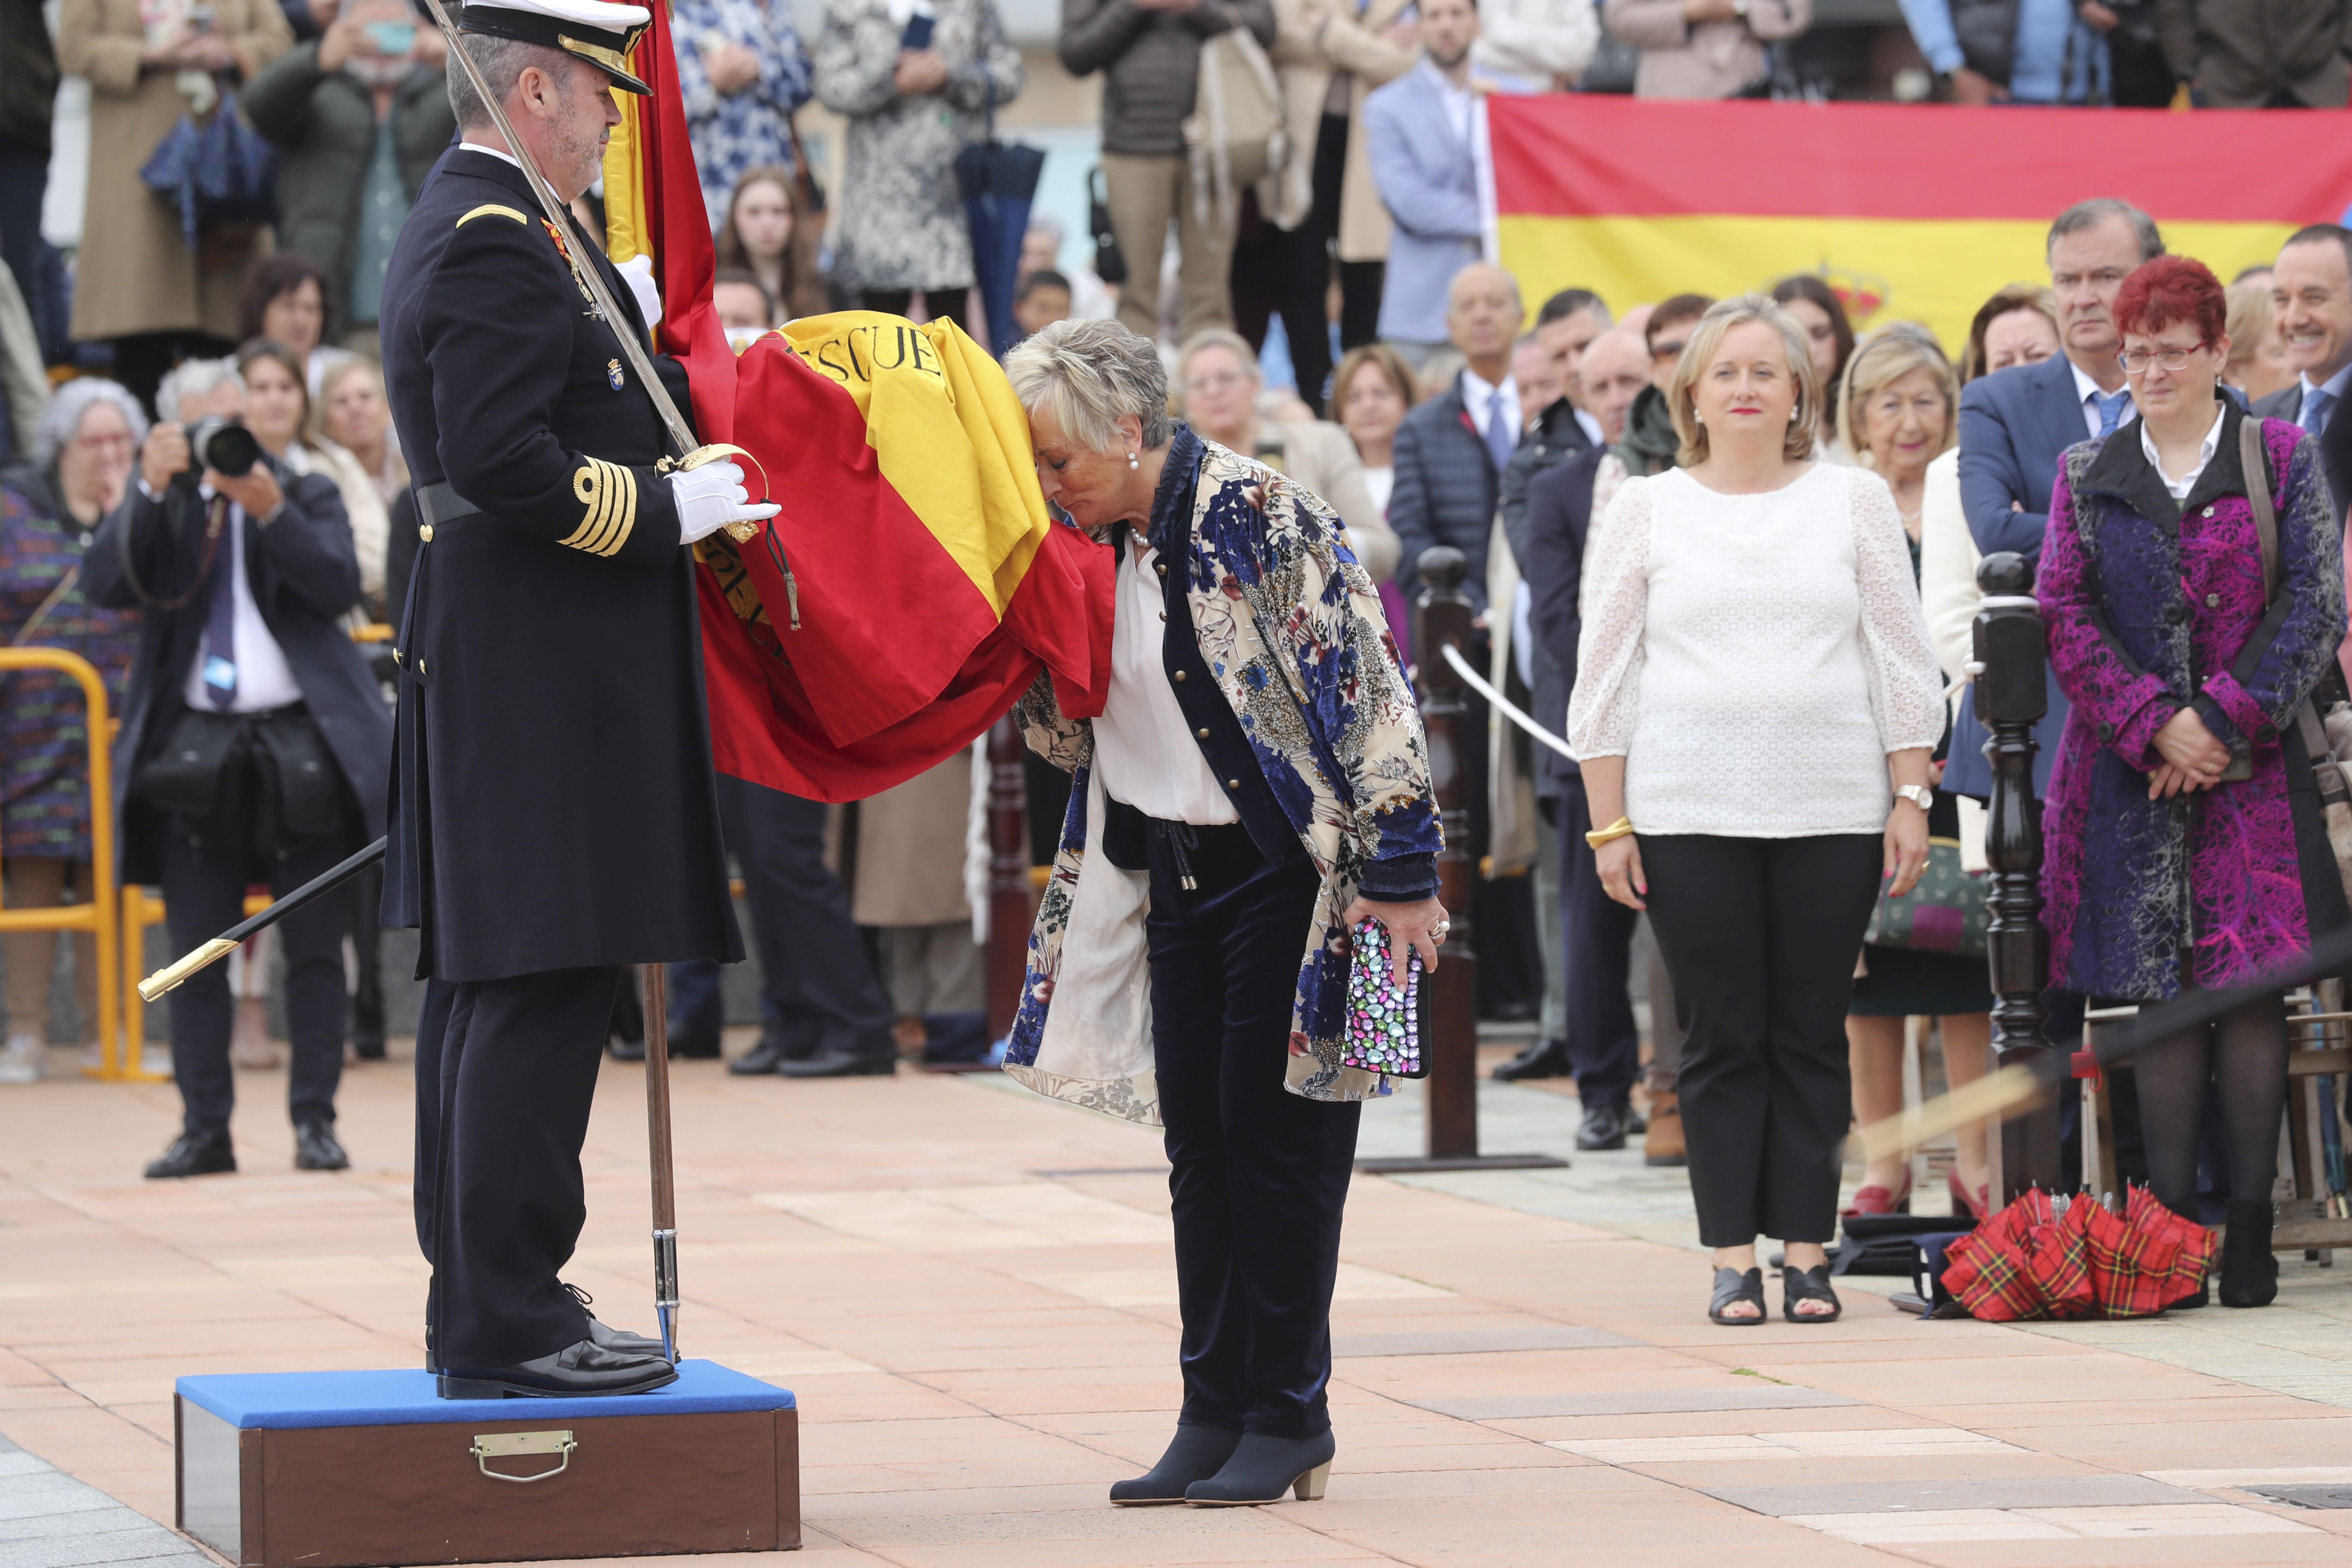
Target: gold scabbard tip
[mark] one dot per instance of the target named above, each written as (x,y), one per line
(173,975)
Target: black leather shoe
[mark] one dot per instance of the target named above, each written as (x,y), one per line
(1263,1467)
(693,1044)
(194,1154)
(576,1371)
(832,1061)
(765,1058)
(316,1148)
(610,1338)
(1545,1059)
(1196,1454)
(1603,1128)
(627,1050)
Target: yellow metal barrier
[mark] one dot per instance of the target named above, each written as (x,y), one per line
(98,916)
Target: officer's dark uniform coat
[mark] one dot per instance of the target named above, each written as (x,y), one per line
(553,803)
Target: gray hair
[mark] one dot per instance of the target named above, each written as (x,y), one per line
(2099,210)
(1087,374)
(1220,338)
(502,62)
(193,378)
(62,420)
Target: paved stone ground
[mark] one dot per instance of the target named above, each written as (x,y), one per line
(971,1290)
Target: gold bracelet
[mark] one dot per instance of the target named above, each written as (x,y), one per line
(1622,828)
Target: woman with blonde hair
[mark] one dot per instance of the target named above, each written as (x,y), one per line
(1755,705)
(1899,410)
(2258,360)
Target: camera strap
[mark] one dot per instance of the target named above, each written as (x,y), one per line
(215,519)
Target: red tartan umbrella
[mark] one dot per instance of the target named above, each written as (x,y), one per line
(2077,1258)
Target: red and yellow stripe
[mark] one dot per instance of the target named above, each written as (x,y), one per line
(1911,211)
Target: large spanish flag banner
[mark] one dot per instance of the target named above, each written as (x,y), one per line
(1910,211)
(913,585)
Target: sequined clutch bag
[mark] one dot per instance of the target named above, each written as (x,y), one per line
(1383,1022)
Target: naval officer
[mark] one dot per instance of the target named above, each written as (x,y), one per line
(553,811)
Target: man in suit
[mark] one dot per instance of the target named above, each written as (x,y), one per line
(553,811)
(2015,423)
(1419,141)
(1451,452)
(2310,286)
(1601,1043)
(253,742)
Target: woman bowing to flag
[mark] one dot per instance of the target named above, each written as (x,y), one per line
(1256,784)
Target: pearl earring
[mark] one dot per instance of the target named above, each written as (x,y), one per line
(1132,461)
(1792,417)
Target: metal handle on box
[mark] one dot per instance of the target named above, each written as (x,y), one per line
(488,1445)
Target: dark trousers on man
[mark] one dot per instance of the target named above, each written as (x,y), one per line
(506,1071)
(1604,1044)
(1760,936)
(206,868)
(1259,1175)
(817,984)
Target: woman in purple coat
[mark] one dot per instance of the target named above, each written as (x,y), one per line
(2185,845)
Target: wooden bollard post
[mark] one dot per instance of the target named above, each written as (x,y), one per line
(2012,696)
(1449,999)
(1010,906)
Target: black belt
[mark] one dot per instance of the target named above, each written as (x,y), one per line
(438,504)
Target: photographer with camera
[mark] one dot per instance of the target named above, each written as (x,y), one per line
(254,746)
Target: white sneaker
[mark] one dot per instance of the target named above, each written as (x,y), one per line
(22,1058)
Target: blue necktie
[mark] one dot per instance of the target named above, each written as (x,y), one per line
(220,621)
(1501,440)
(2111,405)
(2315,409)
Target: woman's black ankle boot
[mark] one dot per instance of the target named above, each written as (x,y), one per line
(1195,1454)
(2249,1267)
(1266,1466)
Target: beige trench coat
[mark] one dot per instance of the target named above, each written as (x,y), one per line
(1312,39)
(135,273)
(910,849)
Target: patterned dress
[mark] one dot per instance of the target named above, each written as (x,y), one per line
(735,131)
(43,735)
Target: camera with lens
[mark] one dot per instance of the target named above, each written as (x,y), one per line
(224,446)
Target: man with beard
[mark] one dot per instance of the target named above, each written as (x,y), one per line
(555,813)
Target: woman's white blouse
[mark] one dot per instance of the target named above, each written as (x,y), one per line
(1754,659)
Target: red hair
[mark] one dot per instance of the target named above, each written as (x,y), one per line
(2172,288)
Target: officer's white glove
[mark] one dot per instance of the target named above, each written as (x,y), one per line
(639,271)
(712,497)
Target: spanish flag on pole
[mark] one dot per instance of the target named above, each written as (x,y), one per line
(1911,211)
(913,585)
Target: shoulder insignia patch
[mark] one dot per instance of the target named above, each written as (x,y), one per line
(493,208)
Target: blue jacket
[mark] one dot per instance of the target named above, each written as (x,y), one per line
(2013,426)
(1446,490)
(1428,179)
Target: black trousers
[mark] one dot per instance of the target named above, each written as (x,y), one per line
(1259,1175)
(505,1071)
(1604,1044)
(206,867)
(818,984)
(947,305)
(1760,936)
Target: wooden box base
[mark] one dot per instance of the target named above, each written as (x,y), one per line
(340,1470)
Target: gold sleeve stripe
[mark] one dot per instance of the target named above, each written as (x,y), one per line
(609,493)
(493,208)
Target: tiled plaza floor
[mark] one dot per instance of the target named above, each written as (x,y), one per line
(971,1290)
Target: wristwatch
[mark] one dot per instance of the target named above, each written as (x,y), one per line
(1919,795)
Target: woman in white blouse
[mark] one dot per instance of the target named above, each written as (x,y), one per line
(1755,687)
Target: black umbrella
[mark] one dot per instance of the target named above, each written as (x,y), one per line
(999,180)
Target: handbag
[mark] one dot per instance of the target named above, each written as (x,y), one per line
(1234,136)
(2327,740)
(222,170)
(183,777)
(1382,1032)
(1943,912)
(1110,262)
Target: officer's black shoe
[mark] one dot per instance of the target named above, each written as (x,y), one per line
(1604,1128)
(832,1061)
(1545,1059)
(764,1057)
(694,1045)
(627,1050)
(367,1026)
(317,1149)
(576,1371)
(608,1337)
(194,1154)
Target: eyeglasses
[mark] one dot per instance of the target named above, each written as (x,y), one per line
(2174,360)
(1668,348)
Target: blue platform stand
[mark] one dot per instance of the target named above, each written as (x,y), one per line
(370,1468)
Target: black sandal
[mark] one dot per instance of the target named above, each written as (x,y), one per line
(1809,1285)
(1731,1286)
